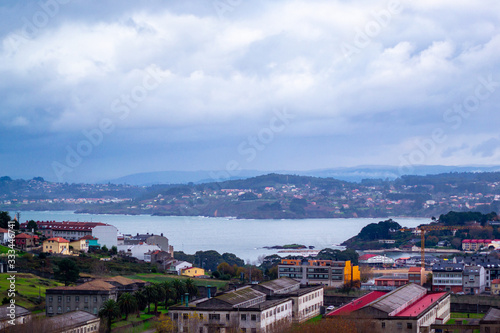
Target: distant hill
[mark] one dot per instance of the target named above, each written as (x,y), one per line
(350,174)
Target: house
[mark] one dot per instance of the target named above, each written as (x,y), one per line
(409,308)
(92,242)
(88,297)
(80,245)
(447,276)
(24,241)
(417,275)
(375,260)
(495,287)
(491,266)
(74,321)
(474,279)
(325,272)
(138,250)
(4,236)
(389,282)
(125,285)
(13,314)
(192,271)
(56,245)
(246,309)
(176,266)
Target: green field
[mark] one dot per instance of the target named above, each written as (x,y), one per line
(466,315)
(30,289)
(158,277)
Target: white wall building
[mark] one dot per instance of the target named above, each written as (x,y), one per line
(106,235)
(138,251)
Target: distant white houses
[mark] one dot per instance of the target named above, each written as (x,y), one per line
(375,259)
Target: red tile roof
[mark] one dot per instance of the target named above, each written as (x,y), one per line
(495,281)
(415,269)
(23,235)
(423,303)
(367,256)
(2,230)
(357,303)
(58,239)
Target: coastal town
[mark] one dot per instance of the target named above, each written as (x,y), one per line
(268,196)
(92,278)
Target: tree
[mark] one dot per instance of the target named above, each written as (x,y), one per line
(158,296)
(114,250)
(104,249)
(67,271)
(4,219)
(191,288)
(169,291)
(32,225)
(109,311)
(142,301)
(150,292)
(165,324)
(180,289)
(127,304)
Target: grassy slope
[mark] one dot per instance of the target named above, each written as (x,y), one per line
(28,287)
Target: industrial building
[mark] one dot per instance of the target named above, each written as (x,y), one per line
(324,272)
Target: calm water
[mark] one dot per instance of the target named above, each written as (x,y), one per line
(245,238)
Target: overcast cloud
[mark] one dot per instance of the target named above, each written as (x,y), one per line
(186,85)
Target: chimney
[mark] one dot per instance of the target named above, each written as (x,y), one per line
(208,291)
(187,299)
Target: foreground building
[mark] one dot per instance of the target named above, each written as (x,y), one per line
(88,297)
(325,272)
(257,308)
(409,308)
(447,276)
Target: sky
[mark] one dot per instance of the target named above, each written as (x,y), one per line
(93,90)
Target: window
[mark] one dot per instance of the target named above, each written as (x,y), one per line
(227,316)
(50,309)
(253,317)
(185,316)
(176,316)
(399,326)
(95,311)
(95,299)
(50,299)
(243,316)
(68,309)
(214,317)
(409,325)
(77,299)
(59,309)
(68,298)
(86,299)
(59,298)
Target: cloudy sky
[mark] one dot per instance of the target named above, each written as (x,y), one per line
(92,90)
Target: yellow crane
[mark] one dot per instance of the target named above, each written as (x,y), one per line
(425,228)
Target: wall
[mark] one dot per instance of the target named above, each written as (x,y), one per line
(107,235)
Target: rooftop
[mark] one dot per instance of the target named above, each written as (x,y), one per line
(419,306)
(240,295)
(19,312)
(64,322)
(279,284)
(357,303)
(92,285)
(397,298)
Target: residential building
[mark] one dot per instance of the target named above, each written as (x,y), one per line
(138,250)
(4,236)
(375,260)
(491,266)
(245,308)
(88,297)
(161,242)
(72,322)
(307,300)
(176,266)
(24,241)
(495,287)
(325,272)
(447,276)
(107,234)
(477,244)
(80,245)
(417,275)
(56,245)
(125,285)
(474,279)
(392,281)
(20,316)
(192,271)
(409,308)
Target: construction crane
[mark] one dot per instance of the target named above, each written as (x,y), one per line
(425,228)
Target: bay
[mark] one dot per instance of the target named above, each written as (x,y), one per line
(245,238)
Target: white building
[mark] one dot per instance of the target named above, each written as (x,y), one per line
(4,236)
(106,235)
(138,251)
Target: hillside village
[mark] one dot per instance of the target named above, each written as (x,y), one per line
(95,279)
(269,196)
